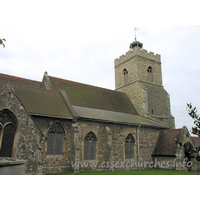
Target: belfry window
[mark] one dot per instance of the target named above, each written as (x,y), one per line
(90,146)
(125,72)
(8,129)
(55,140)
(129,147)
(150,74)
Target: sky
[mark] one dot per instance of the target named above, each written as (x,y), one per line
(79,41)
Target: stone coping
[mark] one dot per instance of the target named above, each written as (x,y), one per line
(4,161)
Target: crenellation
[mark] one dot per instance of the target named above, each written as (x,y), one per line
(143,84)
(136,51)
(50,142)
(144,50)
(122,56)
(158,56)
(129,53)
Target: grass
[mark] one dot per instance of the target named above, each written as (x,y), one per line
(134,172)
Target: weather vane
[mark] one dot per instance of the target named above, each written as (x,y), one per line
(135,29)
(136,43)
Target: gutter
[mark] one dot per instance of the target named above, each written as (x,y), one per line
(52,116)
(138,147)
(119,122)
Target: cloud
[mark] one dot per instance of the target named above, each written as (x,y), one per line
(79,40)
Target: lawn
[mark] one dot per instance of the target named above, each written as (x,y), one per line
(135,172)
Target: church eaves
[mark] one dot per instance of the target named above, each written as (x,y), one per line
(67,99)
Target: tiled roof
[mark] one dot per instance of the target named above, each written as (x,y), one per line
(116,117)
(85,101)
(43,102)
(93,97)
(196,141)
(22,81)
(165,145)
(35,98)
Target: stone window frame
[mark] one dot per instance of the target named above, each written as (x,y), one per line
(3,125)
(63,141)
(89,134)
(125,73)
(133,141)
(150,74)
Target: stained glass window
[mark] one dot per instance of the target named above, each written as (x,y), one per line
(55,140)
(7,133)
(90,146)
(129,147)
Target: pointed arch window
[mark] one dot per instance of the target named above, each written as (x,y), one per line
(55,140)
(8,128)
(125,72)
(90,146)
(129,147)
(150,74)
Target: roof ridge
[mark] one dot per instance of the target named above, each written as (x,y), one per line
(175,129)
(19,78)
(29,86)
(69,81)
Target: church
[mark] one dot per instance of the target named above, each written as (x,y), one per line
(57,125)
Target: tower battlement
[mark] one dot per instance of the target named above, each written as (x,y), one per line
(138,74)
(136,51)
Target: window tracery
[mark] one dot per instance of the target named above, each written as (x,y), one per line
(8,129)
(90,146)
(55,140)
(129,147)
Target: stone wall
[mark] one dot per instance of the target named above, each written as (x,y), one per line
(27,136)
(10,166)
(31,140)
(110,145)
(161,97)
(136,62)
(159,104)
(59,163)
(147,138)
(165,162)
(149,97)
(137,93)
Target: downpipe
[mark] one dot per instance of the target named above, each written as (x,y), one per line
(138,147)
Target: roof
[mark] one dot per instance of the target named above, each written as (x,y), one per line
(22,81)
(38,101)
(165,145)
(43,102)
(136,44)
(78,100)
(196,141)
(93,97)
(117,117)
(35,98)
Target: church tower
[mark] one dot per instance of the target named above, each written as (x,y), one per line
(138,74)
